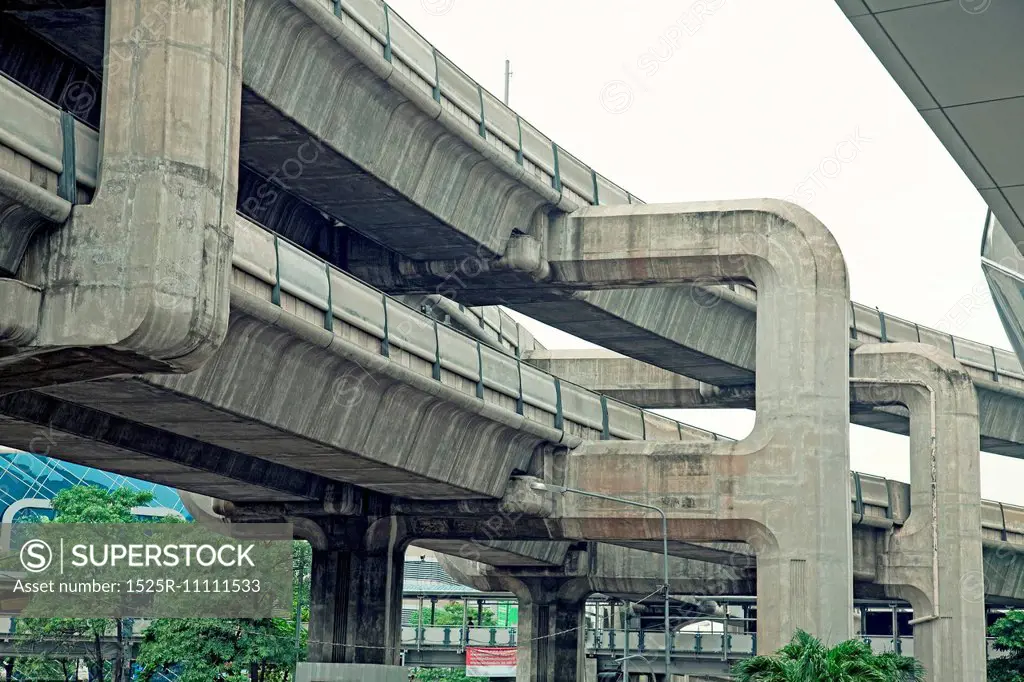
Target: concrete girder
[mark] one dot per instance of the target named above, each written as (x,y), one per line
(615,571)
(381,426)
(1000,404)
(394,163)
(798,453)
(141,272)
(930,560)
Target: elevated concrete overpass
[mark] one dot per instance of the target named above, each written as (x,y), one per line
(141,313)
(302,332)
(715,345)
(878,507)
(996,373)
(295,155)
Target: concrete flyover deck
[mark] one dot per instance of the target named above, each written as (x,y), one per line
(878,506)
(298,144)
(303,333)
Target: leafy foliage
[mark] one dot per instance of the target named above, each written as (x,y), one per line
(446,675)
(452,614)
(806,659)
(91,504)
(196,649)
(1008,633)
(222,649)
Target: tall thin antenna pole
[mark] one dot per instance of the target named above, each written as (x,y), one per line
(508,76)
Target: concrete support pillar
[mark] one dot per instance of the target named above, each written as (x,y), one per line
(356,607)
(144,269)
(355,620)
(934,560)
(785,488)
(551,633)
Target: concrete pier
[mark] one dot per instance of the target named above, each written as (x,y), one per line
(797,457)
(356,596)
(137,279)
(551,630)
(934,560)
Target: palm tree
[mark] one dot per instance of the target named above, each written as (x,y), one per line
(806,659)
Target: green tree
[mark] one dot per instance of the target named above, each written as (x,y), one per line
(232,649)
(222,649)
(452,614)
(806,659)
(92,504)
(47,670)
(1008,633)
(446,675)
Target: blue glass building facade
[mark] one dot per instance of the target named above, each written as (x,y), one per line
(29,481)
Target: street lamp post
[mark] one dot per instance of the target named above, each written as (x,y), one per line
(562,490)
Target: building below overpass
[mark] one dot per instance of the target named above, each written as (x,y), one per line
(28,482)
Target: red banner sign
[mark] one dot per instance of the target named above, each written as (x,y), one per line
(491,662)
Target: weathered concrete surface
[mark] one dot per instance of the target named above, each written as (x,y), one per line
(551,633)
(634,381)
(393,163)
(44,425)
(613,571)
(1000,402)
(796,458)
(350,672)
(933,558)
(378,425)
(356,593)
(139,276)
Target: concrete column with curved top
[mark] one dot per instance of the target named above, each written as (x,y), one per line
(934,560)
(785,488)
(551,631)
(139,276)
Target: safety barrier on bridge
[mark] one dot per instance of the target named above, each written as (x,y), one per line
(692,644)
(40,131)
(384,31)
(882,502)
(301,283)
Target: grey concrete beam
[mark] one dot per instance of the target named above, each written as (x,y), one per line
(636,382)
(532,553)
(143,268)
(386,142)
(930,558)
(43,424)
(1000,403)
(379,425)
(796,457)
(615,571)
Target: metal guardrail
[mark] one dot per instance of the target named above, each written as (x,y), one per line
(684,644)
(483,114)
(286,269)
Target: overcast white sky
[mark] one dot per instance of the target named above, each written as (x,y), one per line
(748,98)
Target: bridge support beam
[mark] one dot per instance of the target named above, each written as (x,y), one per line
(934,560)
(355,627)
(785,488)
(551,631)
(137,280)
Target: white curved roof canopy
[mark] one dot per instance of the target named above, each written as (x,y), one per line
(961,63)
